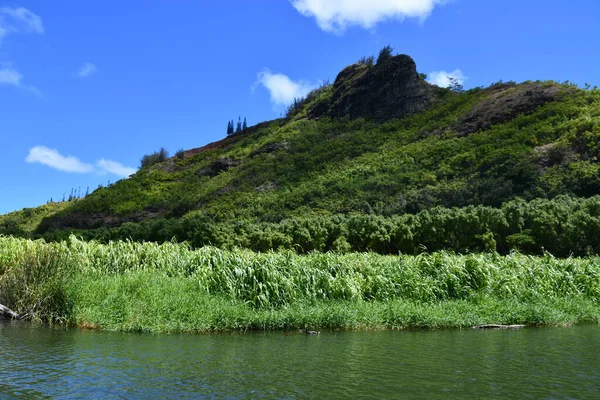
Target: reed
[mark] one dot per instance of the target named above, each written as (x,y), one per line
(169,287)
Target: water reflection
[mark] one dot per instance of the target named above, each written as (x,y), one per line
(41,362)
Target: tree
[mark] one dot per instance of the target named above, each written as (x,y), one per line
(295,107)
(244,125)
(385,54)
(239,125)
(229,128)
(455,85)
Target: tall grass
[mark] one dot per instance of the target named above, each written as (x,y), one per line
(34,277)
(119,283)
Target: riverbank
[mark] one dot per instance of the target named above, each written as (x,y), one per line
(171,306)
(147,287)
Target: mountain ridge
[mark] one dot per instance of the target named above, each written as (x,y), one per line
(336,153)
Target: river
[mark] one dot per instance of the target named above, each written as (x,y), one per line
(39,362)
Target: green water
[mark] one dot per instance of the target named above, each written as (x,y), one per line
(39,362)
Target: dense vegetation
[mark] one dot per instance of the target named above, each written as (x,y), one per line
(562,226)
(412,209)
(150,287)
(154,158)
(512,166)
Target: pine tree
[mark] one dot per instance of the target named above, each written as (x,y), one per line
(244,125)
(455,85)
(239,125)
(229,128)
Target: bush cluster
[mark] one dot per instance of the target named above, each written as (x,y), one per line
(154,158)
(562,226)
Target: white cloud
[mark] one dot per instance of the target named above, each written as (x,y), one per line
(115,168)
(53,159)
(24,19)
(10,76)
(282,89)
(336,15)
(442,78)
(15,20)
(34,90)
(20,19)
(86,70)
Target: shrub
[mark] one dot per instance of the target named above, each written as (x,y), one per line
(33,279)
(368,61)
(385,54)
(154,158)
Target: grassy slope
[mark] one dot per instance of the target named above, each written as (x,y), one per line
(337,166)
(28,219)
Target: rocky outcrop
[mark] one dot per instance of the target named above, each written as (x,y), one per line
(505,102)
(82,220)
(270,148)
(387,90)
(223,164)
(218,166)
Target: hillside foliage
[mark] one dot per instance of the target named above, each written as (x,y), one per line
(465,175)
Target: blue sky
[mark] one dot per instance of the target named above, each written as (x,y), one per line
(87,88)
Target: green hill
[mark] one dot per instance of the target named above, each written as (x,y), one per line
(379,160)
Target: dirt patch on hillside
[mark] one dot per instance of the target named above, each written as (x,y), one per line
(84,221)
(219,144)
(227,142)
(505,102)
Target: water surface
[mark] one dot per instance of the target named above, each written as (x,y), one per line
(38,362)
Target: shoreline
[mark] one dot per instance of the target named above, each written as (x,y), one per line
(290,331)
(227,317)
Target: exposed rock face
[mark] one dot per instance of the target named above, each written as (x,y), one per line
(223,164)
(553,154)
(220,165)
(270,148)
(267,186)
(82,220)
(505,102)
(390,89)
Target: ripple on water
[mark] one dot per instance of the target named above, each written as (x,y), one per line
(529,363)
